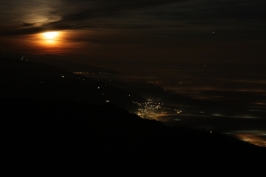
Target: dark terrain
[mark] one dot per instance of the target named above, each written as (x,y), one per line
(56,126)
(24,79)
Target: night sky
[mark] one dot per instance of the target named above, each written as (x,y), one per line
(196,33)
(189,30)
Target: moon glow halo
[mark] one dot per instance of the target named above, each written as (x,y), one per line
(50,37)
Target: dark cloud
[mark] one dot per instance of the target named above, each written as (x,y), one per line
(238,9)
(109,9)
(71,15)
(164,20)
(27,24)
(141,14)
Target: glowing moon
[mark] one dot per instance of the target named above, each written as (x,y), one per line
(50,36)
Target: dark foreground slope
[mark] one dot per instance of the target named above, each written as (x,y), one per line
(60,138)
(20,78)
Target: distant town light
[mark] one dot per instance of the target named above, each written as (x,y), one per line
(179,111)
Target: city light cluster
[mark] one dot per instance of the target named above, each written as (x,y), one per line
(154,110)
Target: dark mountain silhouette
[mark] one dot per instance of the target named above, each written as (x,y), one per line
(25,79)
(55,123)
(57,138)
(71,66)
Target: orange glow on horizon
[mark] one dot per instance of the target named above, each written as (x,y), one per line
(57,42)
(252,138)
